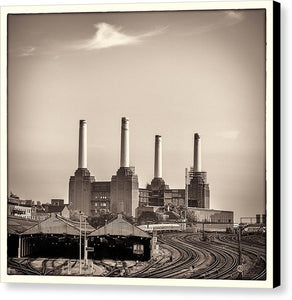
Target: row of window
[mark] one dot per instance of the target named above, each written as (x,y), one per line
(101,197)
(96,210)
(138,249)
(22,211)
(101,204)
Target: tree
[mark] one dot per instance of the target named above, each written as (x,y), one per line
(100,220)
(191,216)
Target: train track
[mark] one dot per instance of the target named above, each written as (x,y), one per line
(255,250)
(225,261)
(25,266)
(212,260)
(178,266)
(186,256)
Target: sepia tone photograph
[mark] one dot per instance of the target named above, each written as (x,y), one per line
(137,145)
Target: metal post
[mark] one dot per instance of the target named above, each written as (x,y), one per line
(239,251)
(239,246)
(19,246)
(80,245)
(69,266)
(24,247)
(85,243)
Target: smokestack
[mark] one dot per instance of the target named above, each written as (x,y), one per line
(197,153)
(158,157)
(125,161)
(82,155)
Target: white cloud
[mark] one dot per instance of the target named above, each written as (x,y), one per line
(27,51)
(230,134)
(107,36)
(234,17)
(227,18)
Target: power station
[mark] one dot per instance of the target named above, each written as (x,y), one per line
(123,195)
(58,236)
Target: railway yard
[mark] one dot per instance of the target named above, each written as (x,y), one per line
(180,255)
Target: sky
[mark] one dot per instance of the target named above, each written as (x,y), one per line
(170,73)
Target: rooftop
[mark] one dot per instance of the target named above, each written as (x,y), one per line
(119,227)
(56,224)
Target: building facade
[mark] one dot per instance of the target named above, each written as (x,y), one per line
(122,193)
(100,197)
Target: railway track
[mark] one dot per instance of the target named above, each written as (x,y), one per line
(225,261)
(212,260)
(186,256)
(256,251)
(25,266)
(178,266)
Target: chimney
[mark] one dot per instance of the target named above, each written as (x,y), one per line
(82,155)
(197,153)
(125,161)
(158,157)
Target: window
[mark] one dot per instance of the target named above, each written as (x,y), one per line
(138,249)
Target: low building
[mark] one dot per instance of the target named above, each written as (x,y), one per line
(61,210)
(53,237)
(15,227)
(120,240)
(39,213)
(211,215)
(19,211)
(19,207)
(57,202)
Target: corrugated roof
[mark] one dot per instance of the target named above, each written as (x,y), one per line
(17,225)
(76,224)
(119,226)
(57,225)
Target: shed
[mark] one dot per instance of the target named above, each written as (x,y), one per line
(17,225)
(53,237)
(120,240)
(119,227)
(56,224)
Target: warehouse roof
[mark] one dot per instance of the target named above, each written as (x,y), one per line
(17,225)
(58,225)
(119,226)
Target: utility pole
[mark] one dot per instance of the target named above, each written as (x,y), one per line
(239,268)
(85,243)
(19,246)
(80,241)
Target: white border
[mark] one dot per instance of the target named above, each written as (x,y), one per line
(268,5)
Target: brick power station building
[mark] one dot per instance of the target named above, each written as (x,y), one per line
(123,195)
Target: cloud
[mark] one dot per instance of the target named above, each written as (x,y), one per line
(230,134)
(108,36)
(27,51)
(234,16)
(226,19)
